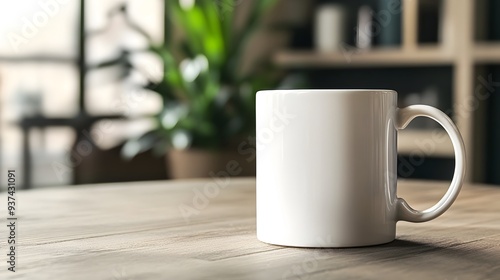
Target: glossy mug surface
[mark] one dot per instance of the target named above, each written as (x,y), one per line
(326,167)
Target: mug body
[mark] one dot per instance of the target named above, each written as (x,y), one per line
(326,167)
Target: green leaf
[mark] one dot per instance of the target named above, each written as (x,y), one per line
(212,118)
(241,38)
(189,22)
(215,26)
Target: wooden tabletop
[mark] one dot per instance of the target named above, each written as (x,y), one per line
(156,230)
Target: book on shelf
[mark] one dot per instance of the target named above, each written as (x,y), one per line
(493,129)
(494,20)
(493,155)
(389,19)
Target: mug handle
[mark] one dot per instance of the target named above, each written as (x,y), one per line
(404,117)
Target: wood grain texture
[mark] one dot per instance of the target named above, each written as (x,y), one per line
(137,231)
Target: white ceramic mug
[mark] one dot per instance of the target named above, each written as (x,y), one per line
(326,167)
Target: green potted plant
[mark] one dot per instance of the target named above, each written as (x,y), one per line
(208,103)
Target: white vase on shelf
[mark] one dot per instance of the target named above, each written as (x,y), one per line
(330,27)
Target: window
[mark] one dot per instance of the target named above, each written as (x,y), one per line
(48,30)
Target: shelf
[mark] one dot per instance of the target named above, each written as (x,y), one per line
(487,52)
(38,58)
(425,142)
(369,58)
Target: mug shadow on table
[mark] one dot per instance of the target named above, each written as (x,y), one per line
(458,255)
(402,258)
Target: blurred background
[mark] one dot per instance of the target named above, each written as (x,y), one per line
(125,90)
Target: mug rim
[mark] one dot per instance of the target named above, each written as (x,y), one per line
(337,91)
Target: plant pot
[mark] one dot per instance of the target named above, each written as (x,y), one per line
(194,163)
